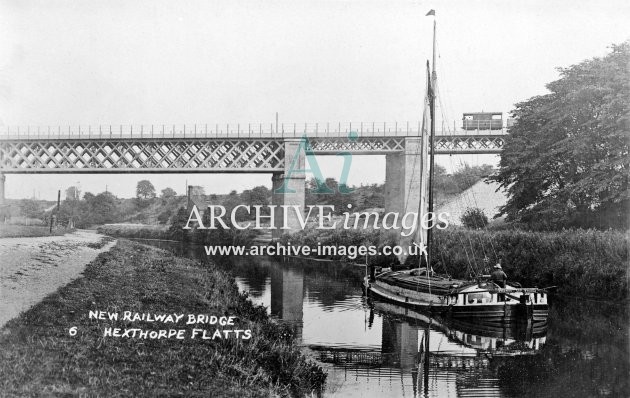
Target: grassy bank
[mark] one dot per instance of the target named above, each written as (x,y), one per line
(585,263)
(39,357)
(29,231)
(138,231)
(175,232)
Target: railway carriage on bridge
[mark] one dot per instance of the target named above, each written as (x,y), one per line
(482,121)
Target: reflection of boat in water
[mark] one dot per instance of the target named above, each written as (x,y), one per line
(443,358)
(404,327)
(479,299)
(496,340)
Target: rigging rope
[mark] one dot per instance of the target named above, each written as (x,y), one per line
(464,197)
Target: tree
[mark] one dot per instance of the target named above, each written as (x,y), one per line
(468,176)
(445,185)
(260,195)
(565,162)
(474,218)
(337,197)
(168,193)
(30,208)
(164,216)
(178,221)
(103,208)
(145,190)
(197,190)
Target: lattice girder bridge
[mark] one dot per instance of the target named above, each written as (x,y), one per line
(202,154)
(172,155)
(274,151)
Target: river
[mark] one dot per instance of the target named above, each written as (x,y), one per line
(372,349)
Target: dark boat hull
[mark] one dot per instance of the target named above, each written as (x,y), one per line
(496,314)
(500,313)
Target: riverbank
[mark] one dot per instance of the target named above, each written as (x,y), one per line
(38,355)
(32,268)
(582,263)
(136,231)
(175,232)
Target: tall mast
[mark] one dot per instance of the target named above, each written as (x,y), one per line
(431,147)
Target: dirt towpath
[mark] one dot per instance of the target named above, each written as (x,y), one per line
(32,268)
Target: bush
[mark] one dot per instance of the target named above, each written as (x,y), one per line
(164,216)
(474,218)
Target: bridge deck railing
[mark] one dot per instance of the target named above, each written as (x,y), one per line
(239,131)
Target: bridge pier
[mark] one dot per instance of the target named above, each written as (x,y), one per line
(287,294)
(403,179)
(288,188)
(2,180)
(400,339)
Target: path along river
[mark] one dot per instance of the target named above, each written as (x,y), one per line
(371,349)
(32,268)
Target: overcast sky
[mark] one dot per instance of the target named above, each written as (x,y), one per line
(144,62)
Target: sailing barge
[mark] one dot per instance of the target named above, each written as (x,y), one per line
(478,301)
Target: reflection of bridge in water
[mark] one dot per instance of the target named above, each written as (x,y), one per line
(356,357)
(436,355)
(503,363)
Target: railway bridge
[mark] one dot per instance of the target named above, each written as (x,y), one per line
(236,148)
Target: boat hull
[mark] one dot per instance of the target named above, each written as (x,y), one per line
(492,314)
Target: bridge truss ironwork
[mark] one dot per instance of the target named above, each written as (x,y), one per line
(180,151)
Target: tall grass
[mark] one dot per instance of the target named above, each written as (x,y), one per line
(587,263)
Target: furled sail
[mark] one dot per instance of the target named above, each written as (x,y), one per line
(423,205)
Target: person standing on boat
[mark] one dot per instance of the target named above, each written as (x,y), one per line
(498,276)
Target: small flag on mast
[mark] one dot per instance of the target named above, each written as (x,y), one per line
(432,12)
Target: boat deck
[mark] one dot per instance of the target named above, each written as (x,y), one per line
(438,284)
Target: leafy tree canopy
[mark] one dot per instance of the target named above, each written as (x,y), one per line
(31,208)
(168,193)
(103,208)
(145,190)
(197,190)
(565,162)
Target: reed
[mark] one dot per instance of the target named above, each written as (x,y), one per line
(586,263)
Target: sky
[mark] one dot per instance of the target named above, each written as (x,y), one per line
(241,61)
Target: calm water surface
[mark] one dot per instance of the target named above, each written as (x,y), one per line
(372,349)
